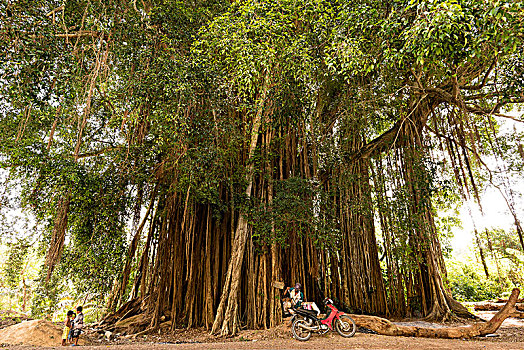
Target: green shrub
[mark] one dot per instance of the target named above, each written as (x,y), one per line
(467,285)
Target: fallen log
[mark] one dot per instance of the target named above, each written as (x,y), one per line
(494,307)
(517,314)
(385,327)
(503,301)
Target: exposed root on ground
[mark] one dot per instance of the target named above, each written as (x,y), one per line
(385,327)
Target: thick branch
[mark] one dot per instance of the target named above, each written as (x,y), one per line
(397,135)
(476,109)
(385,327)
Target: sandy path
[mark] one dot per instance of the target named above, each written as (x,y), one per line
(332,341)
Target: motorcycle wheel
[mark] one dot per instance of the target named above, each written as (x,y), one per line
(298,330)
(345,326)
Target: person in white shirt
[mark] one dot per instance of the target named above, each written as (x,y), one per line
(78,325)
(296,296)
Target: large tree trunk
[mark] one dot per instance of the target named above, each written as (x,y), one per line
(415,266)
(435,300)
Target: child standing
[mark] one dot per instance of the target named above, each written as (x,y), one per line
(78,325)
(70,336)
(67,327)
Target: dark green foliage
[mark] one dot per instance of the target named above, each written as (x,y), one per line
(299,206)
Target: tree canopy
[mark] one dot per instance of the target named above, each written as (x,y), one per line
(192,153)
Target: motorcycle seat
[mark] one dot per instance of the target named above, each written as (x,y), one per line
(308,313)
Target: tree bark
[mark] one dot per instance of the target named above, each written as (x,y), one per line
(131,254)
(481,253)
(56,246)
(495,307)
(226,319)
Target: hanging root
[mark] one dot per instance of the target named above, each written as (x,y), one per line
(58,237)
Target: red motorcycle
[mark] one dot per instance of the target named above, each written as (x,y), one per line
(305,322)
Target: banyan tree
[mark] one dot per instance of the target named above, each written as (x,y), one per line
(195,155)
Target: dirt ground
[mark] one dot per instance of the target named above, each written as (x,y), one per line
(509,337)
(330,341)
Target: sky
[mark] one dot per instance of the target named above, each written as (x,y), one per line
(495,214)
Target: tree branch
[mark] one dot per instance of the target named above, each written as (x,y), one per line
(485,80)
(79,34)
(99,152)
(396,134)
(52,12)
